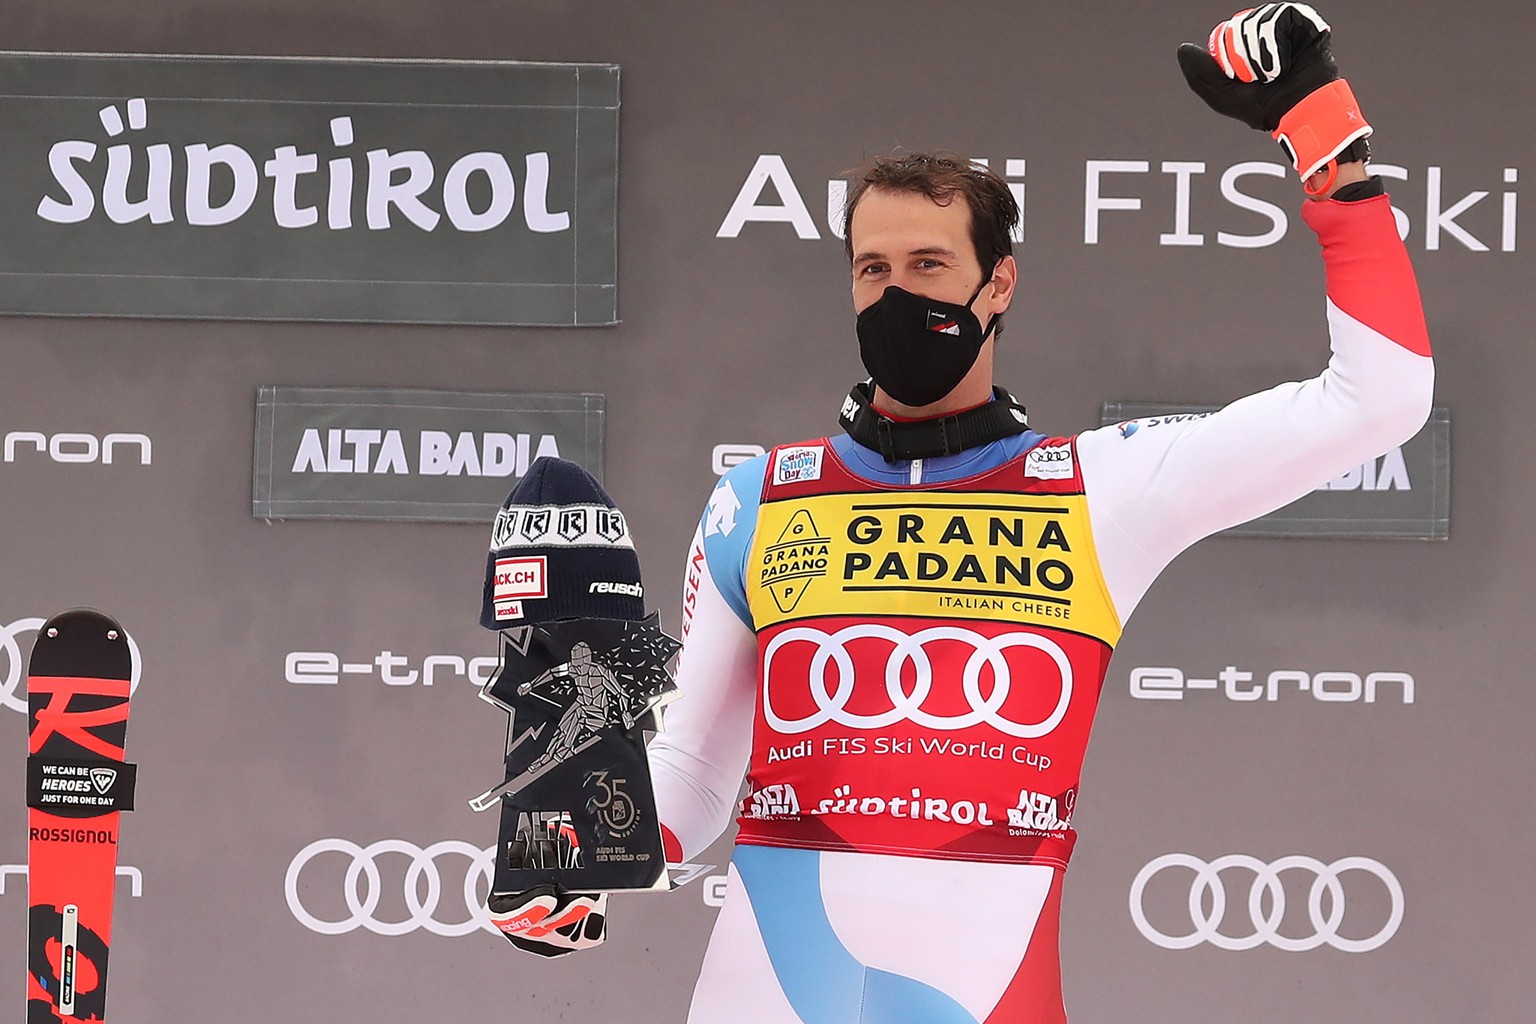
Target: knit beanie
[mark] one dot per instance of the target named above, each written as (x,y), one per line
(560,549)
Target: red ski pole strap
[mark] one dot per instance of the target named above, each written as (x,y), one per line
(72,788)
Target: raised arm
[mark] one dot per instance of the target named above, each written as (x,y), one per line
(1156,486)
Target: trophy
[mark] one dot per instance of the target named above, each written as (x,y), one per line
(582,677)
(576,807)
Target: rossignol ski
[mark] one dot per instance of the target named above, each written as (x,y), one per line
(77,783)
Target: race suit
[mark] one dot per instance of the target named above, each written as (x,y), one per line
(906,659)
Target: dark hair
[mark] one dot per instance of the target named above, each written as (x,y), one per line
(941,177)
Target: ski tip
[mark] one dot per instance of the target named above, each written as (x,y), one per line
(81,638)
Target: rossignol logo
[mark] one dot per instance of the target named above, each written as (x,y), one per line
(98,836)
(23,446)
(70,779)
(211,185)
(1283,684)
(1212,204)
(326,668)
(420,453)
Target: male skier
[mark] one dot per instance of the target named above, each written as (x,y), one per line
(901,633)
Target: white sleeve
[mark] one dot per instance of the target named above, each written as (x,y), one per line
(698,762)
(1156,488)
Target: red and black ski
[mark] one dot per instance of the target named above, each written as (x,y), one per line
(77,783)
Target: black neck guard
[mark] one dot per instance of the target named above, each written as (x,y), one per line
(926,439)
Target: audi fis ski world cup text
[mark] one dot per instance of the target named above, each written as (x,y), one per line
(1113,193)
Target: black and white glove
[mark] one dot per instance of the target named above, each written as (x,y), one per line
(549,921)
(1271,67)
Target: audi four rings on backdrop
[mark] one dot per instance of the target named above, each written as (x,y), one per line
(1267,887)
(363,886)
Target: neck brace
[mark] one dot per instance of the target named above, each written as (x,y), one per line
(926,439)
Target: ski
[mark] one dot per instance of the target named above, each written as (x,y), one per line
(78,682)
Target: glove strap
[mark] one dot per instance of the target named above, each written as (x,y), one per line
(1321,126)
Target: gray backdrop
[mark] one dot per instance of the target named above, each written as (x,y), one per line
(748,340)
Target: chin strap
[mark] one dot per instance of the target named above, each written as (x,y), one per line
(926,439)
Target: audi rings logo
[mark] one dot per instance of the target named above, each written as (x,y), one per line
(1327,886)
(832,697)
(13,664)
(422,883)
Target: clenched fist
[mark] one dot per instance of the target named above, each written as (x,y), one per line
(1271,68)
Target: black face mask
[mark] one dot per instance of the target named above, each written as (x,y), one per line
(918,349)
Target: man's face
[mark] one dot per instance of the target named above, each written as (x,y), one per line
(907,239)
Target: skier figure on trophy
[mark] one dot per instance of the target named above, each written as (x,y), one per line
(591,710)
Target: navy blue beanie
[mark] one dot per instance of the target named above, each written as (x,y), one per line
(560,550)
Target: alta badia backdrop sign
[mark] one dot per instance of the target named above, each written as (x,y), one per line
(309,189)
(410,453)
